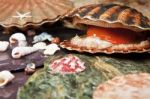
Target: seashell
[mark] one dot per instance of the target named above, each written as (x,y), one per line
(51,49)
(18,52)
(30,68)
(110,16)
(83,44)
(29,13)
(18,39)
(40,45)
(80,3)
(5,77)
(3,46)
(130,86)
(42,37)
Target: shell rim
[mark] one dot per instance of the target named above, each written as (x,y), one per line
(107,21)
(62,45)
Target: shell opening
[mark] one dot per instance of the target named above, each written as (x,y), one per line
(13,40)
(2,81)
(16,55)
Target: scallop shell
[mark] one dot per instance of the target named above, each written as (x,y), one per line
(5,77)
(110,15)
(18,39)
(143,46)
(18,52)
(131,86)
(21,13)
(3,46)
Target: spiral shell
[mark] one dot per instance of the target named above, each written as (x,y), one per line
(18,39)
(18,52)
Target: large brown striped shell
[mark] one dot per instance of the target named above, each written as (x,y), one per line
(112,16)
(21,13)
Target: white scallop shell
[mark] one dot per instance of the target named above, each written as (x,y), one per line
(3,46)
(18,52)
(51,49)
(5,77)
(40,45)
(18,39)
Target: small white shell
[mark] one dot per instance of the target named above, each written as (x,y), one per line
(30,68)
(42,37)
(18,39)
(3,46)
(40,45)
(51,49)
(5,77)
(18,52)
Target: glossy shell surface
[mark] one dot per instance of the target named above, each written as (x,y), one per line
(21,13)
(110,15)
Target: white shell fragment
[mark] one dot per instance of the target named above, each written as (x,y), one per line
(5,77)
(18,39)
(3,46)
(22,51)
(51,49)
(42,37)
(40,45)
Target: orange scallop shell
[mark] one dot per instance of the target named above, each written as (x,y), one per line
(21,13)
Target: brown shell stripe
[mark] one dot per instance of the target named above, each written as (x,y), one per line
(113,13)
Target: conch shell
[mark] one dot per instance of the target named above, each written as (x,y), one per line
(42,37)
(18,39)
(18,52)
(3,46)
(51,49)
(5,77)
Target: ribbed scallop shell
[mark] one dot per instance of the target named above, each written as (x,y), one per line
(143,46)
(110,15)
(130,86)
(21,13)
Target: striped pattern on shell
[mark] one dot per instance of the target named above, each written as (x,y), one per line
(110,15)
(21,13)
